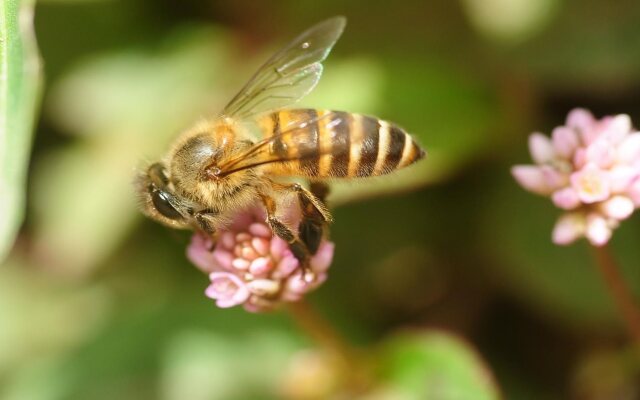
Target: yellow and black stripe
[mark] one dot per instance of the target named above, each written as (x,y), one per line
(335,144)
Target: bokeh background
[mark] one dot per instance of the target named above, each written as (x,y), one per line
(97,302)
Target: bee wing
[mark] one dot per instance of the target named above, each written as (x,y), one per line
(299,140)
(288,75)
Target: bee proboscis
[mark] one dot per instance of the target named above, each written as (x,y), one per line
(220,166)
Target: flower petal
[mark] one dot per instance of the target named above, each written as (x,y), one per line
(541,148)
(249,253)
(621,178)
(260,229)
(263,287)
(634,192)
(227,240)
(618,207)
(278,248)
(222,259)
(227,289)
(261,245)
(598,231)
(531,178)
(321,261)
(260,266)
(554,178)
(566,198)
(199,254)
(591,183)
(629,149)
(297,284)
(257,304)
(565,141)
(580,118)
(287,265)
(580,158)
(241,264)
(616,128)
(568,228)
(601,153)
(584,123)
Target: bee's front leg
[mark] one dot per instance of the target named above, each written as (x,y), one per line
(205,221)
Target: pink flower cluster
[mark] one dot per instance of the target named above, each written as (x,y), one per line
(591,169)
(250,266)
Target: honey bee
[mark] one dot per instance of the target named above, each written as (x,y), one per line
(228,163)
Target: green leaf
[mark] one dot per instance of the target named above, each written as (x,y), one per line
(20,80)
(435,365)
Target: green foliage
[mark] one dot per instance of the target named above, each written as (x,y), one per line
(129,103)
(435,365)
(19,98)
(97,302)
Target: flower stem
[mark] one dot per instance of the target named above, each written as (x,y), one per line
(619,290)
(322,331)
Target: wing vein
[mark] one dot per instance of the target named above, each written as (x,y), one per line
(292,72)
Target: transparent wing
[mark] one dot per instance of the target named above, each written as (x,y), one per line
(298,141)
(288,75)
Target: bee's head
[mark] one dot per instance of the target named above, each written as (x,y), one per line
(157,200)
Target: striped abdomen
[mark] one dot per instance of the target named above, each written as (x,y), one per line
(334,144)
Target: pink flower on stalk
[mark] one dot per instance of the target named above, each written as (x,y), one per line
(248,265)
(591,169)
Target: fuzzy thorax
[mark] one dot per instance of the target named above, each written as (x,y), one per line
(192,163)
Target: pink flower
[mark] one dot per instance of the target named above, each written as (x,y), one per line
(589,167)
(227,289)
(590,183)
(248,265)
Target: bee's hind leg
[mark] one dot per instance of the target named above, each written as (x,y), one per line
(320,190)
(315,215)
(296,245)
(315,219)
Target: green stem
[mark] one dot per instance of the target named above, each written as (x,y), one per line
(320,330)
(618,290)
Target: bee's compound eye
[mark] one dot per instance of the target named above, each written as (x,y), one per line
(163,206)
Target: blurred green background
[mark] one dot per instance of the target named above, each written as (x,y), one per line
(97,302)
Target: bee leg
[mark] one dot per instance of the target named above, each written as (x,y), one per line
(311,205)
(315,216)
(297,247)
(312,228)
(204,221)
(320,190)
